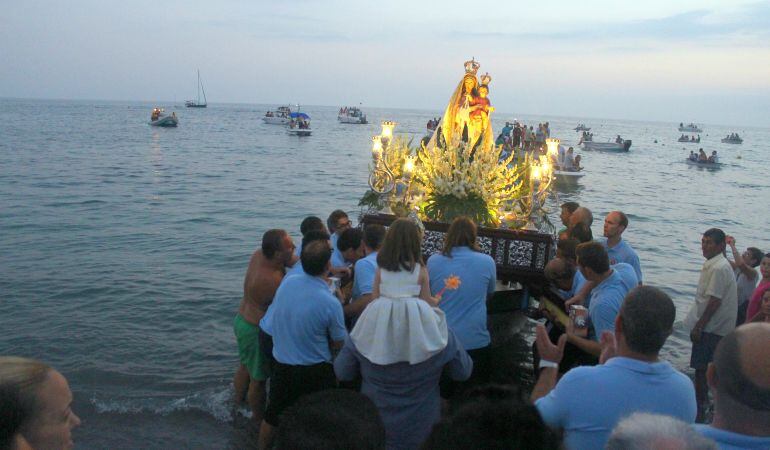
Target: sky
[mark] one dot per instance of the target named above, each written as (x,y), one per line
(705,61)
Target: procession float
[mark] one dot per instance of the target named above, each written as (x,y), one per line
(459,171)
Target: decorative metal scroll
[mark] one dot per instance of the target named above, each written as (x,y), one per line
(520,255)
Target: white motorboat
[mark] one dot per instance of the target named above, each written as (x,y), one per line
(351,114)
(160,119)
(616,147)
(278,117)
(582,127)
(704,164)
(568,174)
(299,124)
(691,128)
(732,139)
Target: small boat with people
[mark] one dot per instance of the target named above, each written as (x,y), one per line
(620,145)
(299,124)
(690,128)
(566,165)
(689,139)
(278,117)
(732,138)
(159,118)
(585,137)
(351,114)
(197,103)
(582,127)
(701,159)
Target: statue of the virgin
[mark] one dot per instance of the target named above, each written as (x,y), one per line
(456,124)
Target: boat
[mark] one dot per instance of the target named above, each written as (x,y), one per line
(568,174)
(732,139)
(197,103)
(299,124)
(704,164)
(159,119)
(582,127)
(351,114)
(622,146)
(690,140)
(691,128)
(278,117)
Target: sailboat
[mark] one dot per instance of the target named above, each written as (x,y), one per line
(197,103)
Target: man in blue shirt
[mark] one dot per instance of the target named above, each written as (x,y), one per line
(605,300)
(350,248)
(587,402)
(304,320)
(739,378)
(620,252)
(567,279)
(364,271)
(309,223)
(337,223)
(308,237)
(465,308)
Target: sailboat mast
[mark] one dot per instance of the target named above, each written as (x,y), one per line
(199,86)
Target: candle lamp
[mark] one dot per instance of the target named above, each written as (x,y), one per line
(387,130)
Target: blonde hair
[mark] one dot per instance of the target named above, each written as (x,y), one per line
(24,376)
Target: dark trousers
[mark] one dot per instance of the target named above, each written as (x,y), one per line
(289,383)
(482,369)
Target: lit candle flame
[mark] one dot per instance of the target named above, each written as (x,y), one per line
(387,129)
(409,165)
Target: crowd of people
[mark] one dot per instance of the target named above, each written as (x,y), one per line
(365,343)
(516,135)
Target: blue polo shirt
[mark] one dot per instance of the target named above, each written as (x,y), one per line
(627,274)
(728,440)
(465,308)
(577,282)
(365,270)
(302,319)
(337,259)
(296,269)
(623,253)
(606,300)
(588,402)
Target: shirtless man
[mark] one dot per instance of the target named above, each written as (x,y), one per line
(266,269)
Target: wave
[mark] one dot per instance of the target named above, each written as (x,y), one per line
(216,403)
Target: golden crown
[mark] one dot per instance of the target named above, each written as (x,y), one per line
(471,67)
(485,79)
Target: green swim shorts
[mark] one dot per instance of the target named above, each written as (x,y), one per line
(247,336)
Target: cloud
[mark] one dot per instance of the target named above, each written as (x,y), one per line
(748,24)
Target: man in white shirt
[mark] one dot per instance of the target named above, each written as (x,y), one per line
(713,314)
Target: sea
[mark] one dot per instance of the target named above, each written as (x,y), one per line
(123,246)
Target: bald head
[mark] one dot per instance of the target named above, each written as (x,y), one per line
(581,215)
(740,376)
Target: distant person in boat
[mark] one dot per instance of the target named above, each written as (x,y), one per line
(266,270)
(702,157)
(155,114)
(618,140)
(569,160)
(577,162)
(714,158)
(693,156)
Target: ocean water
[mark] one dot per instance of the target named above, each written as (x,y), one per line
(123,246)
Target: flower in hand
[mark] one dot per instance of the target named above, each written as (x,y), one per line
(451,283)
